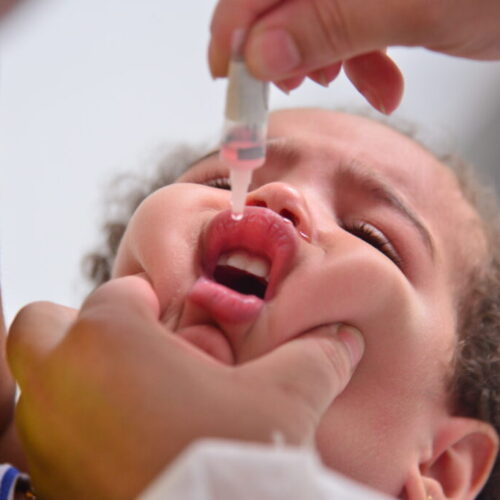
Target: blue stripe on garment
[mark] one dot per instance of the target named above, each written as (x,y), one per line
(8,481)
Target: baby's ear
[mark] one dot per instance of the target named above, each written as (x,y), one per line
(463,455)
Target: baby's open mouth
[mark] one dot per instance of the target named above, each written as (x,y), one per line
(249,256)
(243,263)
(243,272)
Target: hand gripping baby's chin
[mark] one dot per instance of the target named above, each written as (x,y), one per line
(211,340)
(241,264)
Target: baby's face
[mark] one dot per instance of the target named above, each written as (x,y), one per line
(352,223)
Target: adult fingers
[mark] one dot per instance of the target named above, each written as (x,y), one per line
(117,311)
(290,84)
(6,6)
(119,298)
(34,333)
(315,367)
(378,78)
(228,16)
(289,38)
(3,329)
(117,307)
(325,76)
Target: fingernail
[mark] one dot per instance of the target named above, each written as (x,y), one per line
(322,79)
(326,75)
(354,342)
(283,87)
(273,54)
(215,62)
(331,72)
(374,100)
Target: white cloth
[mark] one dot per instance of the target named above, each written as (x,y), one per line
(228,470)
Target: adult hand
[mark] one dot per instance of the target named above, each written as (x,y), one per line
(10,452)
(109,397)
(290,39)
(6,382)
(7,5)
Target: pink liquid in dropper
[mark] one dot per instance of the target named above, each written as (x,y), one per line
(242,157)
(243,154)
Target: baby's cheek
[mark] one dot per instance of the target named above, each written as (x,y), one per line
(162,240)
(401,325)
(370,290)
(372,428)
(371,293)
(352,285)
(386,298)
(125,264)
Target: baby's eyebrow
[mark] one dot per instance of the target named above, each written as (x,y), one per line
(377,187)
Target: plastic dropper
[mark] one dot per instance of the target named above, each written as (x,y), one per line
(243,147)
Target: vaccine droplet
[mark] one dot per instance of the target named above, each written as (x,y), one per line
(237,216)
(240,179)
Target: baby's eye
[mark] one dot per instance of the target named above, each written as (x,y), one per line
(212,174)
(376,238)
(219,183)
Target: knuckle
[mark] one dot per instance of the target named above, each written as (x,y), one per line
(337,357)
(94,330)
(334,26)
(86,328)
(31,313)
(426,19)
(25,321)
(431,12)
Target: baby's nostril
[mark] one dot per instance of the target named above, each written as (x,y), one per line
(259,204)
(286,214)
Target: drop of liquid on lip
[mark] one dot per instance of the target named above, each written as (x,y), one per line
(240,180)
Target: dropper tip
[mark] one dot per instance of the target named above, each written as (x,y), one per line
(240,179)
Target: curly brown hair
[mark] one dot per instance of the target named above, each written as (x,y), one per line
(474,386)
(475,382)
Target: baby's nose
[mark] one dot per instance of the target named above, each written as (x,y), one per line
(286,201)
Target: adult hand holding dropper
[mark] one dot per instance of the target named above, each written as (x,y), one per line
(289,40)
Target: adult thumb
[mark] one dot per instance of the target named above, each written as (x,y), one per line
(315,367)
(296,38)
(36,330)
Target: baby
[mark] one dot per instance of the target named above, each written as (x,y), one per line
(348,222)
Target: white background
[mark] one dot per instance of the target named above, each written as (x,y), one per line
(90,89)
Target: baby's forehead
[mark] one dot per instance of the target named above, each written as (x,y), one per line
(347,138)
(323,122)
